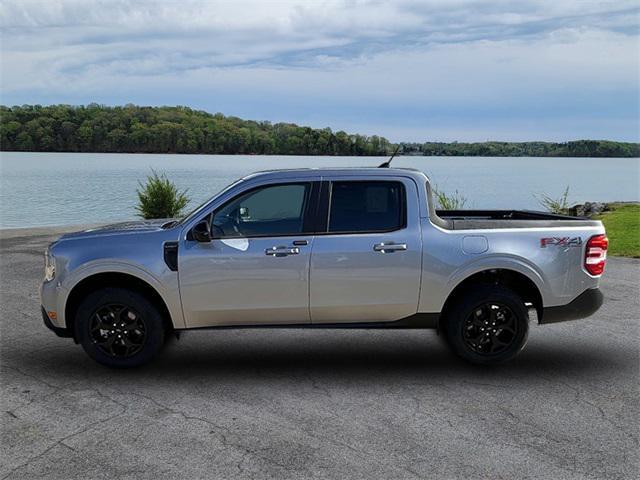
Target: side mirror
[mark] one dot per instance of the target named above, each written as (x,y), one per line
(202,232)
(244,213)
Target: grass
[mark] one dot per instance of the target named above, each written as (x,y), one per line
(623,229)
(558,205)
(449,201)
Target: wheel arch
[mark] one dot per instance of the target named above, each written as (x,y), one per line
(117,279)
(521,284)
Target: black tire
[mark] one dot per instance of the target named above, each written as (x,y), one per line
(487,324)
(119,328)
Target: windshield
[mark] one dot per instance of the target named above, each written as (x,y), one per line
(200,207)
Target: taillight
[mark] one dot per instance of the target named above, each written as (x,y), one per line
(595,254)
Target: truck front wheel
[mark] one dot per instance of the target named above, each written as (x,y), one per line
(119,328)
(487,324)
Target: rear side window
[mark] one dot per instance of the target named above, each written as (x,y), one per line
(371,206)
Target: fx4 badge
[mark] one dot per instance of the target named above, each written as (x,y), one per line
(561,242)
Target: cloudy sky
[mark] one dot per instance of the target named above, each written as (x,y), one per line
(409,70)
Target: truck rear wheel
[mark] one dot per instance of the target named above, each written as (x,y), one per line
(119,328)
(488,324)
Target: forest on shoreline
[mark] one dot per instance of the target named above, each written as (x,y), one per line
(137,129)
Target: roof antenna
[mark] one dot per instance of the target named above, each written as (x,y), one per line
(387,164)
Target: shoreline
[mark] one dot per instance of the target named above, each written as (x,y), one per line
(61,152)
(6,233)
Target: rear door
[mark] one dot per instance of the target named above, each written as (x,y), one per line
(366,264)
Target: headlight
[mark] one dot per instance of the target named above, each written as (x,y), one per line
(49,266)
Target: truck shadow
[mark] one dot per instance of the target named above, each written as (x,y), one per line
(367,362)
(244,357)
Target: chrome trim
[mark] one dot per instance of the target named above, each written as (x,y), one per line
(389,247)
(282,251)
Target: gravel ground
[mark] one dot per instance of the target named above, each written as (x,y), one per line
(318,404)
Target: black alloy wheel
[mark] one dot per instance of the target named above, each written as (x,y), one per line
(118,330)
(490,329)
(486,324)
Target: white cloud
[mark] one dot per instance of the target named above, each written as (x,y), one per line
(430,59)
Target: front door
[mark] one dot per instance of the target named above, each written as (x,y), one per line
(366,267)
(255,271)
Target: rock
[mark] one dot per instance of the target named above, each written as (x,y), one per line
(588,209)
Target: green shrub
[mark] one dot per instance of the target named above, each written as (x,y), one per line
(160,198)
(555,205)
(445,201)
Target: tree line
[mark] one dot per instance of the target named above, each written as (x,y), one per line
(577,148)
(135,129)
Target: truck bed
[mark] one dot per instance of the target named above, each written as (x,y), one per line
(494,219)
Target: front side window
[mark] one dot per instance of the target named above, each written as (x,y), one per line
(367,206)
(273,210)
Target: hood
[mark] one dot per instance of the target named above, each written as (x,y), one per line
(140,226)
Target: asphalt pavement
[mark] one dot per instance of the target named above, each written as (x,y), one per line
(318,403)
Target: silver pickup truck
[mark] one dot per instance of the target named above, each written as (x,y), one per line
(328,248)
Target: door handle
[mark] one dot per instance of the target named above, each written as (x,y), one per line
(282,251)
(389,247)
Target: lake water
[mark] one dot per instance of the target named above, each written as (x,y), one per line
(40,189)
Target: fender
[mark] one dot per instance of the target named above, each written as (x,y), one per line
(498,262)
(166,288)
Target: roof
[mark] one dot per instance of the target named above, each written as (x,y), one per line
(332,171)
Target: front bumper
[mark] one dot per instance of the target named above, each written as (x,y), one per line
(584,305)
(59,331)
